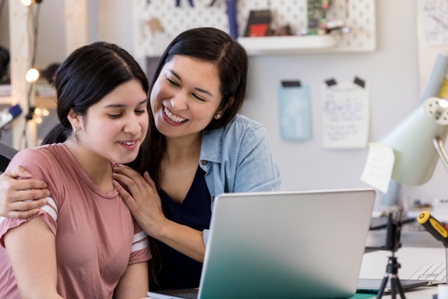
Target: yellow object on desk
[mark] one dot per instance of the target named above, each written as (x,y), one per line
(434,227)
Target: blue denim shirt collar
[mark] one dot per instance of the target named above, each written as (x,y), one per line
(212,143)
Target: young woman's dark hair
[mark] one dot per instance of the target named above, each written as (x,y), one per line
(85,77)
(210,45)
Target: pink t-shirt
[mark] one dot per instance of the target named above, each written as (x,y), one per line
(96,236)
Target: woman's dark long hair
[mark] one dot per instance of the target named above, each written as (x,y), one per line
(210,45)
(85,77)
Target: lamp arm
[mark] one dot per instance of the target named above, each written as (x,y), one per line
(440,148)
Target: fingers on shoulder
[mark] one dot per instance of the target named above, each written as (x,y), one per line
(22,214)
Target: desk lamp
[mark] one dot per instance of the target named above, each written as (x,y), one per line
(418,142)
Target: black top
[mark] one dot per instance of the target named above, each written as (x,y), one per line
(179,271)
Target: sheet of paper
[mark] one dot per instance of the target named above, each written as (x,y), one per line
(345,115)
(294,109)
(435,22)
(379,165)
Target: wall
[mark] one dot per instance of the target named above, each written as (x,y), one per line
(391,72)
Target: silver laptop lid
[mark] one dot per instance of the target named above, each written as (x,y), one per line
(286,244)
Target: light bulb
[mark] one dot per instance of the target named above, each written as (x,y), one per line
(26,2)
(32,75)
(443,103)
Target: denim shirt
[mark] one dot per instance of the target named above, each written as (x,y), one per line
(238,158)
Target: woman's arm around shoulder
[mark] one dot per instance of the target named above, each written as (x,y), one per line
(21,196)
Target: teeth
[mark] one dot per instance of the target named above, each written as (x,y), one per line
(128,143)
(174,117)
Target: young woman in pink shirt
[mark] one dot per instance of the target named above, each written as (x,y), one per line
(84,243)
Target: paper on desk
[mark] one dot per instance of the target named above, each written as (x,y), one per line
(378,169)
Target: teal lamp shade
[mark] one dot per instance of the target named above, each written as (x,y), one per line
(418,142)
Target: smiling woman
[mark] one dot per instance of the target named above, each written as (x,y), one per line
(84,242)
(185,97)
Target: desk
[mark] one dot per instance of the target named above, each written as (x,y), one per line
(412,235)
(410,259)
(419,293)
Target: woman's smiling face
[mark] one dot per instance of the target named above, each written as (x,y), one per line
(185,96)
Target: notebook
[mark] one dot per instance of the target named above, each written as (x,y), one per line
(284,245)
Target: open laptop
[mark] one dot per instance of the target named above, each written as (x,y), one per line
(306,244)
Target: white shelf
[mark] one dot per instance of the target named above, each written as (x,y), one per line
(358,15)
(5,100)
(288,44)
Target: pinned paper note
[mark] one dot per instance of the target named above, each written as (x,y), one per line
(379,166)
(345,114)
(435,22)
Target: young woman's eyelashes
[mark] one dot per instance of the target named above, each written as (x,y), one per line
(138,111)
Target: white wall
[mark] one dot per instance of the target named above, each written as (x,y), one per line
(391,72)
(392,75)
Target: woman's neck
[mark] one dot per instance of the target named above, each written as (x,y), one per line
(183,148)
(97,168)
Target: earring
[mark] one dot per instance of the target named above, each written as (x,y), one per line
(76,133)
(218,116)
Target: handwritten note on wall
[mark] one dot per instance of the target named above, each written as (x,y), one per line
(435,22)
(345,114)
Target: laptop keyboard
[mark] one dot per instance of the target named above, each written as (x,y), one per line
(431,272)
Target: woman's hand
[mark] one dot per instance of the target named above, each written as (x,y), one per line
(144,203)
(21,198)
(142,199)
